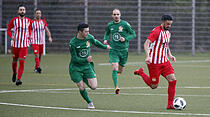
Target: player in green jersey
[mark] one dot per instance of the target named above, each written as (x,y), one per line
(120,33)
(81,67)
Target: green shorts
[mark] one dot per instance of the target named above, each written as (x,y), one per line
(120,57)
(78,73)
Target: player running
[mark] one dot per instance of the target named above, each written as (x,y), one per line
(157,49)
(19,41)
(81,67)
(120,33)
(39,26)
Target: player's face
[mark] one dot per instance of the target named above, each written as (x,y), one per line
(85,32)
(38,14)
(22,11)
(167,24)
(116,15)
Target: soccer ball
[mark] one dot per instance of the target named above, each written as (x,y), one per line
(179,103)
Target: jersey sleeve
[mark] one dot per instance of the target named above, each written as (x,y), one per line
(44,21)
(131,31)
(74,55)
(154,35)
(97,43)
(107,33)
(10,26)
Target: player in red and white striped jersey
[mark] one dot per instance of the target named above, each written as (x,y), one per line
(157,52)
(38,28)
(19,42)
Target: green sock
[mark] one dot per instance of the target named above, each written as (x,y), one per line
(85,96)
(86,82)
(115,77)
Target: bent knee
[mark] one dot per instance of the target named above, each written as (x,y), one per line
(93,87)
(154,86)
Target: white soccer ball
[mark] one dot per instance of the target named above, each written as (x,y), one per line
(179,103)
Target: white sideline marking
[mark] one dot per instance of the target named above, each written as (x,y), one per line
(131,94)
(68,89)
(140,63)
(98,110)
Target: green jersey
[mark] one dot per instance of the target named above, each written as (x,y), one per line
(80,49)
(117,30)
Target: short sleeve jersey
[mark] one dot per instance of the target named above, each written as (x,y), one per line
(158,49)
(38,31)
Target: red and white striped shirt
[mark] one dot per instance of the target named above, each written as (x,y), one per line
(158,49)
(21,32)
(38,31)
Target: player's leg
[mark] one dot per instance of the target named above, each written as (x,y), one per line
(168,73)
(77,78)
(84,94)
(41,49)
(92,83)
(14,64)
(114,59)
(123,60)
(154,73)
(37,62)
(22,57)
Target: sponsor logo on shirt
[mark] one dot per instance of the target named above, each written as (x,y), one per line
(116,37)
(83,53)
(78,46)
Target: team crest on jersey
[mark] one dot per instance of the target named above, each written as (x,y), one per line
(120,29)
(88,44)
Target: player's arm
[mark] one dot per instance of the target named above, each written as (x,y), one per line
(106,35)
(30,29)
(173,58)
(48,34)
(74,56)
(10,26)
(99,44)
(147,49)
(131,31)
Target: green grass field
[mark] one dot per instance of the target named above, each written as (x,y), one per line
(53,94)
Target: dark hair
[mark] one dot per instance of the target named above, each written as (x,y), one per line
(81,26)
(37,10)
(21,5)
(166,17)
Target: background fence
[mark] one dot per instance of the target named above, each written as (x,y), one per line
(190,31)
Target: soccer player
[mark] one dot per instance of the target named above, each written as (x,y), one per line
(81,67)
(19,42)
(38,28)
(157,49)
(120,33)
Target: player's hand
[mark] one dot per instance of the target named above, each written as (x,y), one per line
(122,39)
(50,39)
(173,58)
(89,59)
(105,42)
(109,47)
(13,38)
(147,60)
(30,38)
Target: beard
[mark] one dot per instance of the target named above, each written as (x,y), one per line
(22,14)
(166,28)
